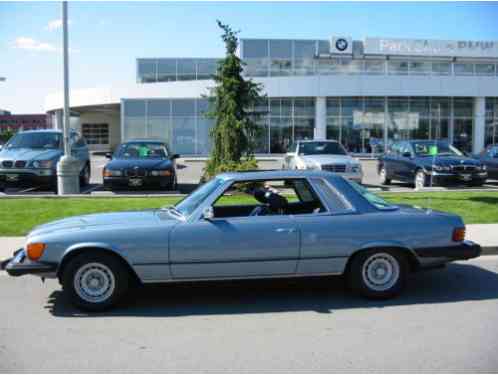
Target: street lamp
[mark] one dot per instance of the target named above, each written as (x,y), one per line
(68,166)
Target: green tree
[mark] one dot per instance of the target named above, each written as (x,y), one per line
(231,103)
(5,136)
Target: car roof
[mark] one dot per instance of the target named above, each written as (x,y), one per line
(145,140)
(43,131)
(317,140)
(275,174)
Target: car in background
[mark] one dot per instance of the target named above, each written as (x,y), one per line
(29,158)
(141,163)
(429,162)
(326,155)
(489,157)
(267,224)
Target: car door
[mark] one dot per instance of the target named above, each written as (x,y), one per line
(390,161)
(489,157)
(247,246)
(406,165)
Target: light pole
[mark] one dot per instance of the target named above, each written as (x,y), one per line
(68,166)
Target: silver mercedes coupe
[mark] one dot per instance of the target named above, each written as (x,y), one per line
(263,224)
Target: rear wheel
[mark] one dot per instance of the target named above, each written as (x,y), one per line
(378,274)
(383,176)
(95,282)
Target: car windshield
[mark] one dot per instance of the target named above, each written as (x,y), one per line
(434,148)
(190,203)
(38,140)
(321,148)
(142,150)
(371,197)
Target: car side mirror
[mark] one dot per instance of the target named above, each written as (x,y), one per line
(208,213)
(175,156)
(108,155)
(407,154)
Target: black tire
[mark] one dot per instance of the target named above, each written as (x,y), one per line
(383,176)
(360,274)
(102,265)
(85,176)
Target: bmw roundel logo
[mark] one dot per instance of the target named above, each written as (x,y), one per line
(341,44)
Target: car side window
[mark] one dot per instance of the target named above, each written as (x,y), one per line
(405,149)
(394,149)
(266,198)
(335,201)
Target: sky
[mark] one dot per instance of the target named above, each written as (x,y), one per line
(105,38)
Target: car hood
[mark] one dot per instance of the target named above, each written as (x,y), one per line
(447,161)
(29,154)
(141,163)
(133,219)
(328,159)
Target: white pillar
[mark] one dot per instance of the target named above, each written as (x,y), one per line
(320,118)
(479,130)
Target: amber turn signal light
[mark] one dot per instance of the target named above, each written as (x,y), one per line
(35,250)
(459,234)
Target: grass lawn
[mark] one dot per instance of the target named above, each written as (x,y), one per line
(18,216)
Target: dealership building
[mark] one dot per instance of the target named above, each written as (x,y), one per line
(364,93)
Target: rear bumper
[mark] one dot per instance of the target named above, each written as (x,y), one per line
(20,265)
(465,250)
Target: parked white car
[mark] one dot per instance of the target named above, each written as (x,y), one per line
(327,155)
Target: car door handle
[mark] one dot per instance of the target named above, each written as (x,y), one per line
(285,230)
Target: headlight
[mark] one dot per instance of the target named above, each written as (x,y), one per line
(442,168)
(483,168)
(112,173)
(312,166)
(43,164)
(165,173)
(356,168)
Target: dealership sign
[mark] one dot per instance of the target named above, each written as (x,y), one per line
(341,45)
(429,47)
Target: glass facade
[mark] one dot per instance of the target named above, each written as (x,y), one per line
(363,124)
(175,69)
(491,133)
(180,122)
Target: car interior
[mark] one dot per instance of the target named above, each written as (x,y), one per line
(270,197)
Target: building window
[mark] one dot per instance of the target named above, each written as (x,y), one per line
(491,134)
(96,134)
(463,69)
(397,67)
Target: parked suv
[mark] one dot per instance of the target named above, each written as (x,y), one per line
(29,158)
(425,162)
(327,155)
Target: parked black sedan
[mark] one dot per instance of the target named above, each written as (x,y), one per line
(429,162)
(141,164)
(489,157)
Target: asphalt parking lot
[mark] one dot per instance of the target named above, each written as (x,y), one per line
(189,171)
(445,321)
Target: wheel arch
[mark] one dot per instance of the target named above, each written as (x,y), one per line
(74,251)
(408,253)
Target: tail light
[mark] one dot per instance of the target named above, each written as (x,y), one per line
(459,234)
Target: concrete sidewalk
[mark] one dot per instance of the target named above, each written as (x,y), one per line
(485,235)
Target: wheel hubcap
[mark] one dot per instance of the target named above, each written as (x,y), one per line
(380,271)
(419,180)
(383,175)
(94,282)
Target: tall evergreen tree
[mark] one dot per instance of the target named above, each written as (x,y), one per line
(231,101)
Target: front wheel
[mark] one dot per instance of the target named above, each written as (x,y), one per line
(378,274)
(420,179)
(95,281)
(383,177)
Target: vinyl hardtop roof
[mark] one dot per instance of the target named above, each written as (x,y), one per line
(275,174)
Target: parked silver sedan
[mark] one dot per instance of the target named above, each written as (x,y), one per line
(246,225)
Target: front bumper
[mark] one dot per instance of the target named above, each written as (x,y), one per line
(27,177)
(20,265)
(161,182)
(439,178)
(463,251)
